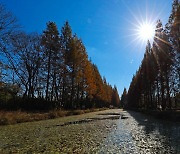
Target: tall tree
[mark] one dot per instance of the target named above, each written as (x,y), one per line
(124,98)
(51,43)
(65,39)
(115,97)
(27,61)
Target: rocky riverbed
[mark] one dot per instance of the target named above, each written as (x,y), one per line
(109,131)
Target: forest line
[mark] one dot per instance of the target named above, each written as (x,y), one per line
(156,84)
(48,71)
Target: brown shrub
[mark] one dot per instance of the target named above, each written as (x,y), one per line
(14,117)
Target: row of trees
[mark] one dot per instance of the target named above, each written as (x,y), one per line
(156,84)
(52,67)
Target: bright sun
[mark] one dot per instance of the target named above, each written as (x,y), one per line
(146,31)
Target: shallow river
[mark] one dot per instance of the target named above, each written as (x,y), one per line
(110,131)
(139,133)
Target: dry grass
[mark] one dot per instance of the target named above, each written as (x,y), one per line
(14,117)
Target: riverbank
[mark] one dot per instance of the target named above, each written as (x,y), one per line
(170,115)
(167,115)
(14,117)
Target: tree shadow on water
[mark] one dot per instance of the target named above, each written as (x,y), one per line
(167,131)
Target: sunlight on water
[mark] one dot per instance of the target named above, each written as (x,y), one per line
(141,134)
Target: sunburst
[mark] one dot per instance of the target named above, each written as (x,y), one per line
(145,31)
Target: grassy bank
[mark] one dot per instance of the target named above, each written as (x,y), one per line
(14,117)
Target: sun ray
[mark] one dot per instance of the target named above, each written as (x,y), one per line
(159,47)
(131,12)
(163,40)
(143,24)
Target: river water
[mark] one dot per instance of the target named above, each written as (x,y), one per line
(139,133)
(110,131)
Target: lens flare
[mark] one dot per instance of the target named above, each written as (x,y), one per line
(146,31)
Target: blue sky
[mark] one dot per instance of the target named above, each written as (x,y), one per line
(105,26)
